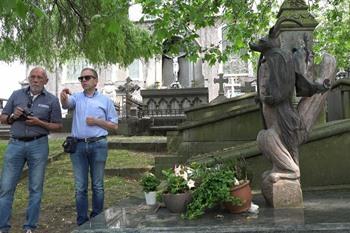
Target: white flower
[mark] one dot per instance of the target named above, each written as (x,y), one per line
(235,181)
(184,175)
(189,171)
(190,184)
(182,171)
(177,170)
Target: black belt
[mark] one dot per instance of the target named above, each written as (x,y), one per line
(28,139)
(92,139)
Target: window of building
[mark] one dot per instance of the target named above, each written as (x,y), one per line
(71,71)
(235,70)
(135,70)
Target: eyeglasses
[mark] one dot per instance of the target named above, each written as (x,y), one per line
(86,78)
(35,76)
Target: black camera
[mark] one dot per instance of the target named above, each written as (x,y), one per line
(25,115)
(70,144)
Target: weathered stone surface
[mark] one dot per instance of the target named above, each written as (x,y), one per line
(324,211)
(283,193)
(217,126)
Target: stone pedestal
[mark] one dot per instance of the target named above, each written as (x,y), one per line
(283,193)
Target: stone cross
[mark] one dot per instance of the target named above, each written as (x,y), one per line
(221,80)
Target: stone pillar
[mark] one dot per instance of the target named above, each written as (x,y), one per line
(294,23)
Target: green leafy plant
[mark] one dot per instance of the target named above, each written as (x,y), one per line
(214,187)
(149,182)
(178,179)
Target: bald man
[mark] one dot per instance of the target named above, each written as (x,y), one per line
(32,113)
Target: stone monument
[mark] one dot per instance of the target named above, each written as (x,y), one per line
(221,95)
(175,69)
(132,100)
(109,91)
(285,68)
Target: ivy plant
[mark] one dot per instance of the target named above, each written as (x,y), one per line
(214,187)
(149,182)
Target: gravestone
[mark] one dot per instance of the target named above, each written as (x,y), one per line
(175,66)
(109,91)
(248,87)
(338,102)
(221,95)
(165,107)
(130,105)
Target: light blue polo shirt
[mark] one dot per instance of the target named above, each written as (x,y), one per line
(98,106)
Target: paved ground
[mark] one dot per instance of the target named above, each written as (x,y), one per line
(324,211)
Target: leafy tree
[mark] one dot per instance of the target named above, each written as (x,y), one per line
(51,31)
(333,32)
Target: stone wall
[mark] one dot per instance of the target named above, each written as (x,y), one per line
(324,159)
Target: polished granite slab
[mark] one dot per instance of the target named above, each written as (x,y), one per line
(324,211)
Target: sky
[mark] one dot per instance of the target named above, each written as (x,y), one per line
(11,75)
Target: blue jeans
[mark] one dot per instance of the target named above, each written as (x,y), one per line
(35,153)
(89,156)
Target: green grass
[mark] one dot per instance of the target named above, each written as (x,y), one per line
(58,203)
(3,145)
(55,145)
(125,158)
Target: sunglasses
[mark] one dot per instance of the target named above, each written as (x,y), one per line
(86,78)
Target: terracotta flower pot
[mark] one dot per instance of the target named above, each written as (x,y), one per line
(244,192)
(177,203)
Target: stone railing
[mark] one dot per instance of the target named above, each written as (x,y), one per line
(172,102)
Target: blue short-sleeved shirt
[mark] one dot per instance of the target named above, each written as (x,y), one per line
(46,107)
(98,106)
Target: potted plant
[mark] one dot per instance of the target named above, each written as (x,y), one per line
(149,183)
(241,188)
(219,185)
(177,195)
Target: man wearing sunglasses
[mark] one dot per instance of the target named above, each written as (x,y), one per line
(94,114)
(32,113)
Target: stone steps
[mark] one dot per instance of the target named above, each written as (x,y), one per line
(139,146)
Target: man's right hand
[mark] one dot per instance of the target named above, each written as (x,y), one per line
(17,113)
(64,94)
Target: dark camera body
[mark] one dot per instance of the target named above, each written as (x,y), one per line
(25,115)
(70,144)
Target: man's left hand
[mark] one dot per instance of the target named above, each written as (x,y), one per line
(33,120)
(90,121)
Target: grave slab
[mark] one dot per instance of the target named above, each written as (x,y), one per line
(324,211)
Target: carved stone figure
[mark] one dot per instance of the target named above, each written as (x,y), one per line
(109,90)
(276,79)
(280,72)
(176,69)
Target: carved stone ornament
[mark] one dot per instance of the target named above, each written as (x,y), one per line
(295,14)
